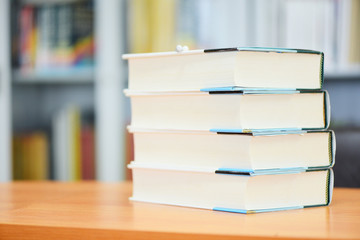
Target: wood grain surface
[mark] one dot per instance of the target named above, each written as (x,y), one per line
(92,210)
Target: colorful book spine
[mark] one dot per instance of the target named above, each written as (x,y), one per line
(88,153)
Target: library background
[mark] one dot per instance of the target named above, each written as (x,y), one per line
(63,114)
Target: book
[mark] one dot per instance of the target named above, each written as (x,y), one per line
(30,156)
(74,142)
(46,40)
(60,135)
(56,38)
(40,157)
(347,37)
(83,35)
(27,38)
(241,111)
(64,39)
(87,153)
(17,155)
(271,68)
(354,53)
(235,151)
(152,25)
(235,192)
(66,126)
(162,24)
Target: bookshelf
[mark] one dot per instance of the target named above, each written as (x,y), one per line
(330,26)
(36,96)
(71,77)
(147,26)
(343,74)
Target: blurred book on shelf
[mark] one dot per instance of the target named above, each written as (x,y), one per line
(55,38)
(349,33)
(67,153)
(30,156)
(88,152)
(73,146)
(329,26)
(152,25)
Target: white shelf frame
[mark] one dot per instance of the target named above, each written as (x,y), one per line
(5,93)
(109,83)
(81,77)
(349,73)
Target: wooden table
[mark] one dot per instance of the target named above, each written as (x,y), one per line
(91,210)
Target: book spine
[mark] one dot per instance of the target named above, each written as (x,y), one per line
(17,158)
(31,156)
(83,35)
(40,156)
(46,22)
(26,37)
(87,153)
(64,36)
(75,144)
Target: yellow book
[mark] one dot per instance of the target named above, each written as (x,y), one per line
(152,25)
(162,25)
(17,158)
(40,161)
(75,143)
(31,157)
(33,42)
(139,31)
(26,155)
(354,53)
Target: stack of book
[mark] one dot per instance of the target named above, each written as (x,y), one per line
(237,129)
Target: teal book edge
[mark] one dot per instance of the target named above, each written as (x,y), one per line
(273,171)
(241,90)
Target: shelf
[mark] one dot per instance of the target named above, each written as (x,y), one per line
(75,76)
(42,2)
(351,73)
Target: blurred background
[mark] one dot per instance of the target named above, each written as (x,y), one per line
(62,110)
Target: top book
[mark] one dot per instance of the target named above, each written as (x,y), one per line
(252,68)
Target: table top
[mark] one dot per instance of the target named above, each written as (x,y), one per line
(93,210)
